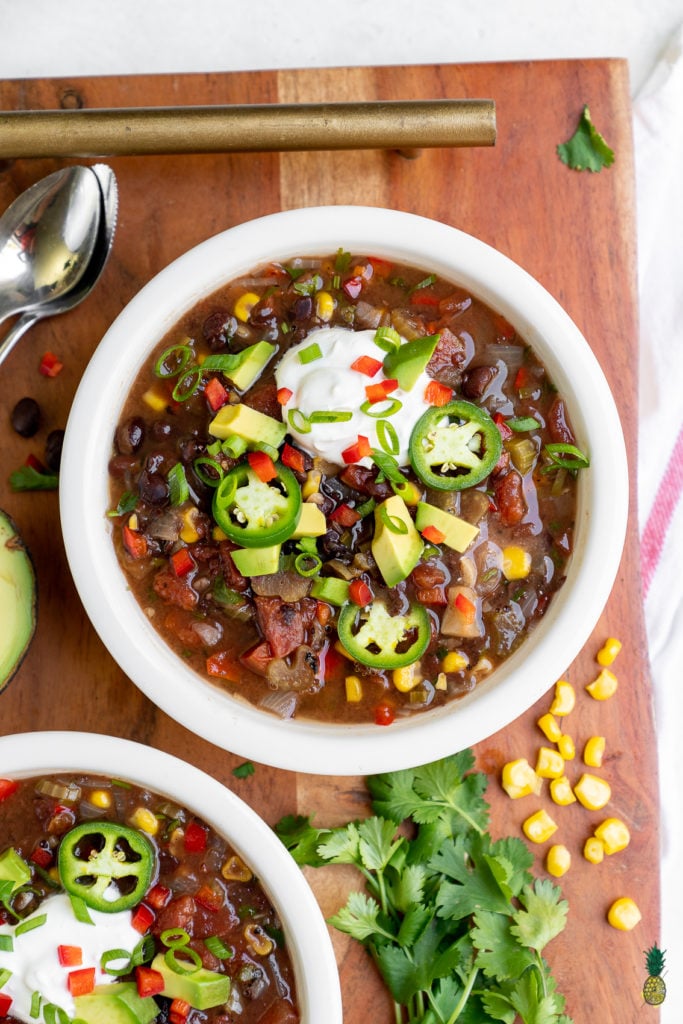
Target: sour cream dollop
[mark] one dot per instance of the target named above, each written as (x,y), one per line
(34,962)
(328,384)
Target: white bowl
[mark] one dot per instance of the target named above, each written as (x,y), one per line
(307,746)
(308,941)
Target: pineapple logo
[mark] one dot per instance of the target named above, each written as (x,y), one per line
(654,989)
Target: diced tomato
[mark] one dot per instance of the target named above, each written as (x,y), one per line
(466,608)
(7,787)
(223,665)
(210,898)
(195,838)
(215,394)
(378,392)
(424,298)
(70,956)
(257,658)
(355,452)
(284,395)
(134,542)
(384,714)
(182,562)
(332,663)
(504,330)
(437,393)
(433,535)
(522,377)
(81,982)
(142,919)
(5,1004)
(293,458)
(505,431)
(380,266)
(353,287)
(158,896)
(179,1008)
(176,1018)
(263,465)
(360,593)
(323,612)
(431,595)
(149,981)
(50,366)
(367,365)
(42,857)
(344,515)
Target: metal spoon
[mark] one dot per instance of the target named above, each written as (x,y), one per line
(104,215)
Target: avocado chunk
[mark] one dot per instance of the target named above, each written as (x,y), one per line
(396,546)
(410,360)
(201,989)
(17,599)
(118,1003)
(252,363)
(13,868)
(457,533)
(257,561)
(312,522)
(250,424)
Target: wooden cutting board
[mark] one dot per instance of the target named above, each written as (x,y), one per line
(575,233)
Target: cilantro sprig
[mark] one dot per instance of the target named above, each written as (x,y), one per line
(453,918)
(587,149)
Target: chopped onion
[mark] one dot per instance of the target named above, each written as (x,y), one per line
(209,633)
(280,702)
(511,355)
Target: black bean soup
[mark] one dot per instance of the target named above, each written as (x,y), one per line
(344,489)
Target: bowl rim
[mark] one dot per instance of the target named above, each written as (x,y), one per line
(228,721)
(33,753)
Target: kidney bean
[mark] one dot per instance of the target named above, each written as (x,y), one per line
(121,465)
(25,417)
(426,575)
(53,449)
(558,424)
(129,435)
(476,381)
(509,494)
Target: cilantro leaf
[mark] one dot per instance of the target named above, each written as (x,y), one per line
(587,149)
(301,839)
(409,972)
(360,918)
(544,916)
(341,845)
(407,889)
(499,955)
(26,478)
(376,843)
(244,770)
(475,888)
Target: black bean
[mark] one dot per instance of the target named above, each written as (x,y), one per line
(26,417)
(218,329)
(129,435)
(303,307)
(476,381)
(161,429)
(53,449)
(152,488)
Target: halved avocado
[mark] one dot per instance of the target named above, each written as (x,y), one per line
(17,599)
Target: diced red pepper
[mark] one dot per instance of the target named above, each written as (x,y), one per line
(380,266)
(81,982)
(505,431)
(195,838)
(522,377)
(360,593)
(180,1008)
(215,394)
(378,392)
(176,1018)
(384,714)
(466,608)
(361,449)
(437,393)
(70,956)
(134,542)
(433,535)
(158,896)
(7,787)
(149,981)
(143,918)
(424,298)
(210,898)
(182,562)
(367,365)
(34,463)
(293,458)
(222,665)
(504,330)
(263,465)
(431,595)
(332,663)
(257,658)
(353,287)
(284,395)
(50,366)
(5,1004)
(344,515)
(42,857)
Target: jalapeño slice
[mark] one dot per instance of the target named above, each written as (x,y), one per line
(109,866)
(257,514)
(375,638)
(454,446)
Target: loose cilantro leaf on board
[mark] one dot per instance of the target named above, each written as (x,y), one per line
(244,770)
(586,150)
(26,478)
(452,918)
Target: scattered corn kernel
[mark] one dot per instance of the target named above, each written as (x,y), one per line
(155,400)
(217,534)
(594,751)
(244,305)
(516,563)
(594,850)
(441,682)
(143,819)
(311,484)
(257,939)
(53,873)
(565,698)
(592,791)
(624,914)
(609,651)
(614,835)
(235,870)
(549,763)
(455,661)
(561,791)
(539,827)
(519,779)
(603,686)
(406,679)
(558,860)
(100,798)
(354,689)
(324,306)
(133,521)
(188,532)
(549,727)
(566,747)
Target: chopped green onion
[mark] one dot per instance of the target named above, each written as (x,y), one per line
(173,361)
(6,944)
(299,421)
(5,975)
(387,338)
(342,260)
(36,1000)
(80,909)
(53,1014)
(366,508)
(388,465)
(126,504)
(122,784)
(522,423)
(576,459)
(426,282)
(269,449)
(387,407)
(336,282)
(214,449)
(295,272)
(393,523)
(330,416)
(144,951)
(189,966)
(179,490)
(284,327)
(175,938)
(310,353)
(30,924)
(187,384)
(310,287)
(233,446)
(111,956)
(223,362)
(210,479)
(307,564)
(214,944)
(387,437)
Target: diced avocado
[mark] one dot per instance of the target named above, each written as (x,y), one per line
(201,989)
(17,599)
(410,360)
(248,423)
(257,561)
(252,362)
(312,522)
(330,589)
(396,546)
(457,533)
(13,868)
(118,1003)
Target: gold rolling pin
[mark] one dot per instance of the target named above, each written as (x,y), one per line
(399,124)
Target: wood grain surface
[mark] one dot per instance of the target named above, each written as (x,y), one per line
(575,233)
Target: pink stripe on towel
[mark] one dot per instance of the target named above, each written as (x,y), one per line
(656,528)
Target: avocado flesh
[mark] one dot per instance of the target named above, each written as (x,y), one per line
(118,1003)
(17,599)
(396,553)
(201,989)
(458,533)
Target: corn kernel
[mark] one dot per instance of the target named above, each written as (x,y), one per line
(594,850)
(516,563)
(561,791)
(354,689)
(217,534)
(244,305)
(133,521)
(53,873)
(594,751)
(558,860)
(311,484)
(592,791)
(455,661)
(235,870)
(565,698)
(143,819)
(155,400)
(624,914)
(549,763)
(539,827)
(441,682)
(566,747)
(258,940)
(188,532)
(324,306)
(603,686)
(549,727)
(519,779)
(608,652)
(614,835)
(100,798)
(406,679)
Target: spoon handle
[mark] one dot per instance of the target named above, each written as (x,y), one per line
(15,332)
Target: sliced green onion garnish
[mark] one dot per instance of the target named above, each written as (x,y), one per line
(299,421)
(218,948)
(393,523)
(5,975)
(330,416)
(269,449)
(387,437)
(36,1000)
(233,446)
(342,260)
(111,956)
(178,488)
(173,361)
(522,423)
(388,465)
(336,282)
(6,944)
(224,362)
(214,449)
(565,456)
(144,951)
(187,384)
(426,282)
(30,924)
(366,508)
(307,564)
(387,407)
(213,478)
(53,1014)
(387,338)
(310,353)
(175,938)
(188,966)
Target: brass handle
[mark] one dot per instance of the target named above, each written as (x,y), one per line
(397,124)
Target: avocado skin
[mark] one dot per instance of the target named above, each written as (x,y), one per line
(18,598)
